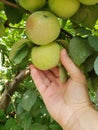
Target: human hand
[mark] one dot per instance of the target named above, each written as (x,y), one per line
(62,100)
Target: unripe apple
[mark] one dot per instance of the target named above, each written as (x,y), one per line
(88,2)
(64,8)
(42,27)
(47,56)
(32,5)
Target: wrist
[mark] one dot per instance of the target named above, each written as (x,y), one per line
(83,119)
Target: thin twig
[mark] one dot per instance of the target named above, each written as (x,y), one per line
(67,33)
(9,3)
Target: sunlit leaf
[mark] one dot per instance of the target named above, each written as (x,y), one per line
(28,100)
(96,65)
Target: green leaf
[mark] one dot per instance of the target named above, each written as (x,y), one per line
(2,28)
(21,54)
(96,65)
(38,127)
(55,127)
(17,46)
(16,127)
(29,99)
(93,41)
(2,127)
(1,6)
(2,116)
(25,120)
(10,122)
(36,109)
(19,110)
(89,63)
(82,31)
(79,50)
(86,15)
(63,74)
(96,98)
(13,14)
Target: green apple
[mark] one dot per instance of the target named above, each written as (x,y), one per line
(88,2)
(47,56)
(42,27)
(64,8)
(32,5)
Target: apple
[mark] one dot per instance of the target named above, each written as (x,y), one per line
(88,2)
(47,56)
(64,8)
(42,27)
(32,5)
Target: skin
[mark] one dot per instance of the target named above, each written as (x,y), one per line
(68,103)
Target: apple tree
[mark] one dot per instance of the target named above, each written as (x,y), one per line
(27,38)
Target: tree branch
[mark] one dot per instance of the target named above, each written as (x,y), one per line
(11,87)
(9,3)
(67,33)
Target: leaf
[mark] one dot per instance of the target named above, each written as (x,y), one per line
(13,14)
(2,116)
(19,110)
(2,127)
(96,98)
(25,120)
(28,100)
(16,127)
(64,43)
(82,31)
(1,6)
(36,109)
(89,63)
(63,74)
(2,58)
(22,53)
(54,127)
(86,15)
(10,122)
(79,50)
(93,41)
(96,65)
(2,28)
(17,46)
(38,127)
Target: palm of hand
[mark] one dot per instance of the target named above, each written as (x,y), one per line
(62,100)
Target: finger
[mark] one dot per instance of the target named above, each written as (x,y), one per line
(37,79)
(49,74)
(55,71)
(44,78)
(72,69)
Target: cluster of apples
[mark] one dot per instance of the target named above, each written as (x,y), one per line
(43,28)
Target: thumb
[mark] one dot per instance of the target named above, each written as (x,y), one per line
(72,69)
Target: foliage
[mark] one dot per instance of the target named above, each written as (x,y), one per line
(79,35)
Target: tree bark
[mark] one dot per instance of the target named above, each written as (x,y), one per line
(11,87)
(10,4)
